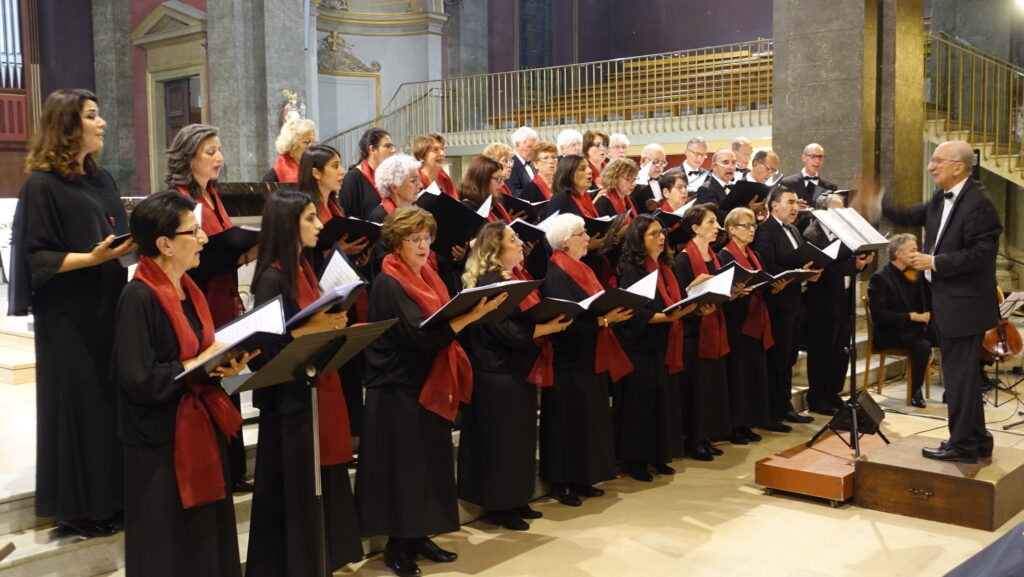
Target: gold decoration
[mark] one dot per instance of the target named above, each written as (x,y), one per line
(335,55)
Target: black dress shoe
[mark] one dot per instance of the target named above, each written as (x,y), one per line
(751,435)
(826,410)
(739,438)
(85,528)
(638,471)
(701,453)
(431,551)
(948,453)
(527,512)
(508,519)
(567,495)
(663,469)
(715,451)
(589,491)
(402,564)
(794,417)
(244,487)
(778,428)
(836,402)
(918,401)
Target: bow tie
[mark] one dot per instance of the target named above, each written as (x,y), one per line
(693,172)
(743,171)
(810,178)
(947,195)
(727,189)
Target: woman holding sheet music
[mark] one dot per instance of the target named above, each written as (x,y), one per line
(416,376)
(572,180)
(545,158)
(359,194)
(320,176)
(510,359)
(284,511)
(577,447)
(646,403)
(706,342)
(179,514)
(619,177)
(484,179)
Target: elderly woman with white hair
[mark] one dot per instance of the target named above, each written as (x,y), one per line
(577,447)
(296,136)
(569,141)
(398,179)
(618,146)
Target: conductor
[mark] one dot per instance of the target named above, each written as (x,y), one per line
(962,231)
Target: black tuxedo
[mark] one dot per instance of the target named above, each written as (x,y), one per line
(892,298)
(519,177)
(713,191)
(963,292)
(805,189)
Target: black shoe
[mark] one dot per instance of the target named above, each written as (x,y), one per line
(823,409)
(794,417)
(85,528)
(739,438)
(715,451)
(836,402)
(567,495)
(946,452)
(778,428)
(527,512)
(701,453)
(751,435)
(917,400)
(638,471)
(507,519)
(244,487)
(402,564)
(589,491)
(663,469)
(432,552)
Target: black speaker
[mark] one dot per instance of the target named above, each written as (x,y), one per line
(869,416)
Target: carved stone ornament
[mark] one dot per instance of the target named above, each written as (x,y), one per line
(335,55)
(340,5)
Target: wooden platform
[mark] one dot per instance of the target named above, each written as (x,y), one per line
(898,479)
(824,470)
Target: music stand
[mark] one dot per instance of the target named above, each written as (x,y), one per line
(304,360)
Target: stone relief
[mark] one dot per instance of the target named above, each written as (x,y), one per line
(341,5)
(335,55)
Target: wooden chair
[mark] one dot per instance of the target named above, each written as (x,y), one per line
(871,351)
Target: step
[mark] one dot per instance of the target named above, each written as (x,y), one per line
(17,366)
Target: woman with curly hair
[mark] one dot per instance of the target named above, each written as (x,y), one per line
(65,273)
(510,359)
(296,136)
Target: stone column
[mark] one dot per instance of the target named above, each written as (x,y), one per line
(112,48)
(284,63)
(903,109)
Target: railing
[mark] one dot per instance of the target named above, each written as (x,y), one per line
(669,90)
(980,98)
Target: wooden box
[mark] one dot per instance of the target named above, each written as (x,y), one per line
(898,479)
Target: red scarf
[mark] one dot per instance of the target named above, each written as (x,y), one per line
(368,174)
(609,356)
(666,207)
(620,203)
(584,203)
(450,380)
(444,182)
(328,210)
(543,372)
(714,341)
(286,168)
(668,288)
(758,323)
(221,290)
(388,204)
(502,214)
(595,173)
(542,185)
(197,463)
(335,435)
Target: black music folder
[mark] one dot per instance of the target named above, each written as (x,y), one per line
(355,228)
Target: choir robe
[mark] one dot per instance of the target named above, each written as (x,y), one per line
(537,261)
(163,539)
(498,444)
(532,193)
(283,525)
(405,486)
(646,407)
(749,399)
(705,382)
(577,444)
(599,263)
(78,455)
(357,196)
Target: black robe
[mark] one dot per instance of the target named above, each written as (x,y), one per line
(647,409)
(78,455)
(163,539)
(705,383)
(406,481)
(283,525)
(498,444)
(357,196)
(577,444)
(749,399)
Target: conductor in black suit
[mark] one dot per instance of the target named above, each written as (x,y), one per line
(807,182)
(523,140)
(962,231)
(775,241)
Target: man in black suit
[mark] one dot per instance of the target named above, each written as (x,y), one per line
(693,164)
(775,242)
(523,140)
(808,183)
(962,231)
(743,150)
(716,186)
(648,194)
(900,311)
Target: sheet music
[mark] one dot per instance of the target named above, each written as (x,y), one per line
(645,287)
(198,211)
(863,227)
(832,250)
(544,224)
(698,182)
(839,227)
(720,283)
(432,189)
(338,272)
(682,209)
(644,176)
(485,207)
(585,303)
(268,317)
(1011,303)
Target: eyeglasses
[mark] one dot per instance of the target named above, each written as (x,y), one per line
(192,231)
(661,164)
(937,161)
(599,145)
(498,179)
(747,225)
(416,240)
(618,147)
(815,156)
(726,163)
(656,233)
(388,145)
(580,233)
(546,159)
(770,169)
(697,154)
(630,179)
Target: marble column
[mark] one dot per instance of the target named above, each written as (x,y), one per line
(112,48)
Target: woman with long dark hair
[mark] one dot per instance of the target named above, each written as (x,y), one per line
(359,194)
(484,178)
(320,176)
(65,273)
(284,510)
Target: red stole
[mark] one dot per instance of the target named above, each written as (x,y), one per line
(286,168)
(758,323)
(621,203)
(197,464)
(543,372)
(335,435)
(388,204)
(584,204)
(502,214)
(543,186)
(444,182)
(368,174)
(714,341)
(666,207)
(595,173)
(328,210)
(221,290)
(609,356)
(668,289)
(450,379)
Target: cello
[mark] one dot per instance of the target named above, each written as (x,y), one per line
(1001,341)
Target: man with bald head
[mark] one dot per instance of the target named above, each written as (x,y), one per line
(743,149)
(958,258)
(763,166)
(716,187)
(647,195)
(808,182)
